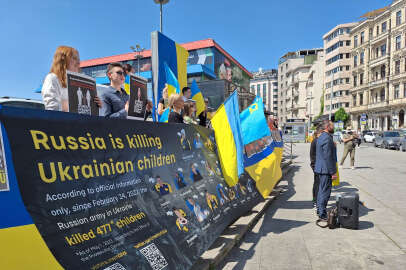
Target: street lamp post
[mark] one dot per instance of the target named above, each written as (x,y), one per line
(137,50)
(161,3)
(331,98)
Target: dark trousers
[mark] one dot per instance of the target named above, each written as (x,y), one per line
(323,194)
(316,183)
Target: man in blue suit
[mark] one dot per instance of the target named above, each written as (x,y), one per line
(325,167)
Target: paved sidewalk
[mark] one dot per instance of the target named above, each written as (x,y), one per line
(286,237)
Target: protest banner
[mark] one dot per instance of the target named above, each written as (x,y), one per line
(81,94)
(112,194)
(138,97)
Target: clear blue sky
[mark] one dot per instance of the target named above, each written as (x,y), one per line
(255,32)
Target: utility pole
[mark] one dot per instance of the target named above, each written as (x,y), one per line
(331,98)
(161,3)
(137,50)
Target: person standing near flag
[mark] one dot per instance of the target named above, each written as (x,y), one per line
(187,93)
(163,102)
(115,99)
(176,104)
(325,166)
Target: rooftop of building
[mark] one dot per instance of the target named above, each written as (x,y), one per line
(194,45)
(299,54)
(343,25)
(264,72)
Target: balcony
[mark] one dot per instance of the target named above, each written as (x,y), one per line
(381,60)
(398,75)
(380,37)
(377,105)
(398,101)
(359,108)
(378,83)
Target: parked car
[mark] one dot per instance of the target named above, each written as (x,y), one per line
(403,144)
(388,140)
(370,136)
(22,103)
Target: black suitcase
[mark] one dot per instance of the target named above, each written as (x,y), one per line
(348,211)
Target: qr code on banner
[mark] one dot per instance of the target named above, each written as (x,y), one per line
(154,257)
(115,266)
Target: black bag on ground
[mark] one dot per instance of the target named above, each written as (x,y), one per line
(332,219)
(348,211)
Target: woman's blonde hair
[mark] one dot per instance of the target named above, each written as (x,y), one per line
(60,63)
(172,99)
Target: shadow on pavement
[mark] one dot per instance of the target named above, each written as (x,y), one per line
(239,255)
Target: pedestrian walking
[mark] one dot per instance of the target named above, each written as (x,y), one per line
(325,167)
(316,180)
(350,141)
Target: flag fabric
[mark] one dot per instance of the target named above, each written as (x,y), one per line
(165,115)
(336,182)
(171,81)
(265,166)
(163,49)
(127,84)
(227,130)
(253,122)
(198,97)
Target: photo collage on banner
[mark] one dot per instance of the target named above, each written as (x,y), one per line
(129,194)
(81,94)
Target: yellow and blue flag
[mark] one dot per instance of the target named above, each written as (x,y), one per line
(165,50)
(127,84)
(253,122)
(198,97)
(171,81)
(165,115)
(227,130)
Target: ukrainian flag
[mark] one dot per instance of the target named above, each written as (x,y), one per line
(265,167)
(227,129)
(163,49)
(198,97)
(127,84)
(165,115)
(253,122)
(171,81)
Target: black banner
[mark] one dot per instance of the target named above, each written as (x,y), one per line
(121,194)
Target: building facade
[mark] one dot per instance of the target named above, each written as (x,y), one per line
(314,88)
(265,84)
(293,75)
(337,67)
(379,69)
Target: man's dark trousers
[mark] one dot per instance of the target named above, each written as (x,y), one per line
(324,194)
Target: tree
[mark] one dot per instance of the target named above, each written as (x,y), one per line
(341,115)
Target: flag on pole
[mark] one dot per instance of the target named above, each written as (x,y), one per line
(227,129)
(253,122)
(198,97)
(171,81)
(163,49)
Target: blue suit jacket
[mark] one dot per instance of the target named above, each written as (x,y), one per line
(326,155)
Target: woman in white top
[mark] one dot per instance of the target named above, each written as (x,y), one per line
(54,90)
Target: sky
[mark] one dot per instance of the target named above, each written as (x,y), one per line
(255,32)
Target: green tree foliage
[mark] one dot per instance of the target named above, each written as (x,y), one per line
(341,115)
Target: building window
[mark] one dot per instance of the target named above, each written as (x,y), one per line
(398,17)
(354,100)
(370,33)
(397,66)
(382,95)
(347,67)
(383,27)
(377,52)
(361,99)
(383,72)
(383,50)
(258,89)
(355,60)
(404,90)
(361,58)
(264,92)
(396,92)
(347,80)
(348,43)
(398,40)
(377,30)
(361,79)
(362,37)
(252,88)
(355,41)
(355,81)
